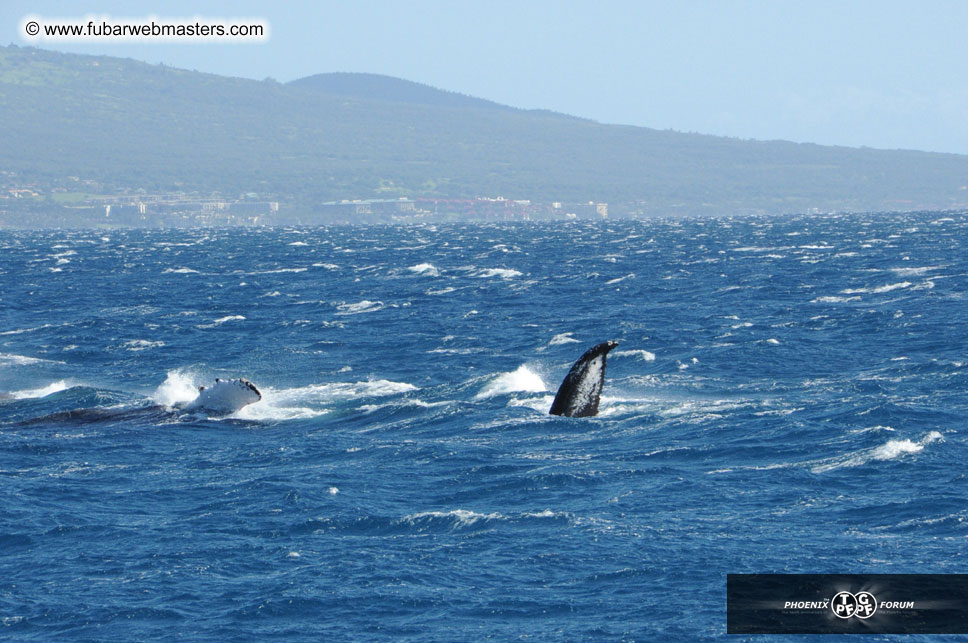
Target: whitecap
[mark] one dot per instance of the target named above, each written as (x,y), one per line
(20,331)
(43,391)
(896,448)
(228,318)
(463,517)
(631,275)
(420,404)
(142,344)
(547,513)
(8,359)
(267,410)
(540,403)
(365,306)
(562,338)
(915,272)
(179,271)
(522,379)
(873,429)
(646,356)
(277,271)
(833,300)
(335,391)
(503,273)
(890,450)
(878,290)
(425,269)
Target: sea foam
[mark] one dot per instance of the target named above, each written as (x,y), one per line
(523,379)
(890,450)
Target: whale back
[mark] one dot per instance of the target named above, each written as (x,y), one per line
(226,396)
(581,390)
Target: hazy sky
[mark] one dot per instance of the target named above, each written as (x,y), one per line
(882,74)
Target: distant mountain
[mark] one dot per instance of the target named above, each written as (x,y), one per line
(388,88)
(130,125)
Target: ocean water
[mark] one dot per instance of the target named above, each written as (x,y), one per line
(788,396)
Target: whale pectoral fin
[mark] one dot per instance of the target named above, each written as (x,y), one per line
(581,390)
(225,397)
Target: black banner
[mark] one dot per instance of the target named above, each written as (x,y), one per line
(847,603)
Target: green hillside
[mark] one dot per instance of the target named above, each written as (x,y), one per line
(132,125)
(388,88)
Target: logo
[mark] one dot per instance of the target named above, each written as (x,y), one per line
(847,605)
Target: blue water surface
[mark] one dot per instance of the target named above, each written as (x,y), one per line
(788,396)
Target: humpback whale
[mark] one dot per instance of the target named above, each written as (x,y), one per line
(223,398)
(581,389)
